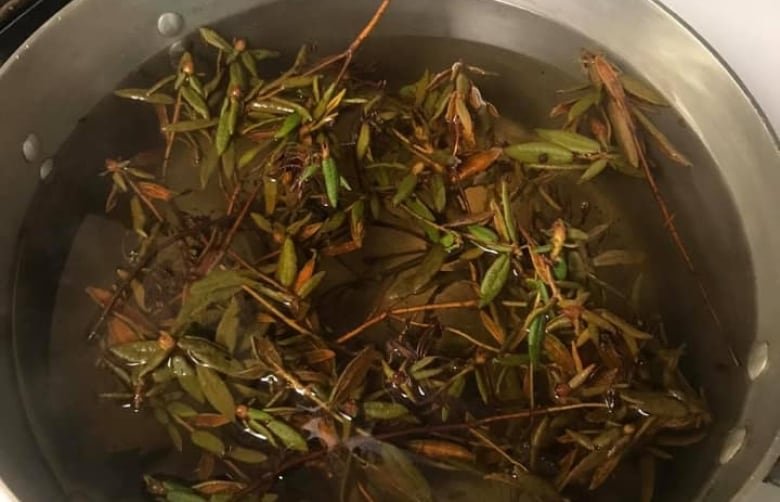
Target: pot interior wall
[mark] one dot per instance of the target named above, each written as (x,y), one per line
(68,243)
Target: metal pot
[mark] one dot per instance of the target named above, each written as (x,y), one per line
(56,128)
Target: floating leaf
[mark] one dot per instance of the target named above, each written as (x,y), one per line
(494,280)
(218,286)
(247,455)
(216,392)
(582,105)
(477,163)
(196,102)
(379,410)
(286,434)
(539,153)
(208,442)
(190,125)
(570,140)
(287,267)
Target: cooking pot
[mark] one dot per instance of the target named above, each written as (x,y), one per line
(57,125)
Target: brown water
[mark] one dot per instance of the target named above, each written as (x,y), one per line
(97,449)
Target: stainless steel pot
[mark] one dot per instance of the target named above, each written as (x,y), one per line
(52,142)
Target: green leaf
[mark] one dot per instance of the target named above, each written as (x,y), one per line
(196,102)
(405,188)
(262,222)
(227,122)
(331,174)
(531,487)
(185,375)
(180,409)
(593,170)
(190,125)
(218,286)
(539,152)
(664,144)
(494,280)
(247,455)
(309,286)
(570,140)
(363,141)
(290,123)
(227,329)
(208,164)
(216,391)
(379,410)
(509,217)
(287,267)
(353,375)
(136,352)
(582,105)
(613,257)
(639,89)
(249,62)
(483,234)
(438,192)
(206,353)
(286,434)
(208,441)
(155,98)
(211,37)
(175,436)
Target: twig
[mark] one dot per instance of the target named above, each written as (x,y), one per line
(405,310)
(232,233)
(171,135)
(265,303)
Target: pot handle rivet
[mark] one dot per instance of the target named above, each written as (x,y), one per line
(732,444)
(170,24)
(47,169)
(758,359)
(31,148)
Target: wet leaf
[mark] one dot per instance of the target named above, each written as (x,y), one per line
(208,420)
(438,449)
(582,105)
(639,89)
(539,152)
(438,192)
(413,281)
(396,474)
(353,375)
(494,280)
(647,478)
(186,377)
(363,141)
(138,216)
(405,188)
(208,164)
(593,170)
(218,286)
(227,329)
(156,98)
(180,409)
(286,434)
(570,140)
(216,391)
(478,163)
(190,125)
(332,179)
(196,102)
(287,267)
(290,124)
(509,218)
(247,455)
(655,403)
(208,441)
(136,352)
(175,436)
(624,132)
(613,257)
(664,144)
(379,410)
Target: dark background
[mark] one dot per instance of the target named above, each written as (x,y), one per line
(20,18)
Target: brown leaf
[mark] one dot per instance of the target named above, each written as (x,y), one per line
(477,163)
(353,375)
(208,420)
(440,450)
(155,191)
(624,131)
(119,332)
